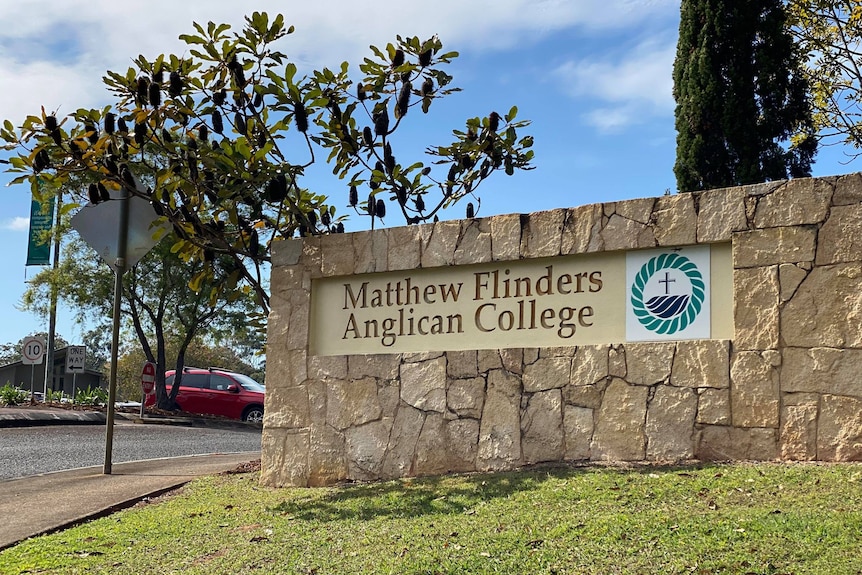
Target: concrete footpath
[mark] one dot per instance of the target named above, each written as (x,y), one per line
(39,504)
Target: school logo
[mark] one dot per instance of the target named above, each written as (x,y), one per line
(668,295)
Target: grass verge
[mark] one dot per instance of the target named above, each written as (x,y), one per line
(710,519)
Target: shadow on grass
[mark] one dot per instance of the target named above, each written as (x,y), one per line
(444,495)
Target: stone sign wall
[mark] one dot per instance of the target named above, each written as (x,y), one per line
(786,385)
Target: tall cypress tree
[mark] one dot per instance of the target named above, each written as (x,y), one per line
(742,109)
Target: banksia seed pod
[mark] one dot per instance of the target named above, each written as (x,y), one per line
(93,194)
(128,179)
(312,218)
(494,121)
(155,94)
(380,209)
(353,197)
(370,205)
(339,229)
(203,133)
(390,163)
(92,133)
(378,166)
(467,162)
(257,102)
(425,57)
(218,126)
(158,208)
(239,123)
(398,58)
(51,123)
(453,172)
(325,218)
(140,133)
(404,99)
(261,139)
(427,87)
(142,91)
(166,136)
(367,136)
(158,75)
(122,127)
(426,170)
(401,195)
(303,231)
(57,136)
(254,244)
(175,85)
(509,166)
(103,192)
(471,211)
(301,117)
(420,203)
(360,92)
(110,123)
(381,122)
(219,97)
(111,165)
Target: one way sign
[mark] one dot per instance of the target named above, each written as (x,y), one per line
(75,355)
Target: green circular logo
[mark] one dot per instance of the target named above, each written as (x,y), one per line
(673,310)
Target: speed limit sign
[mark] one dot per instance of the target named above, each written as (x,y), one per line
(33,351)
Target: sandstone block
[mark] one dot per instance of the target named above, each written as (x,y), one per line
(500,429)
(506,237)
(512,360)
(327,461)
(542,427)
(370,252)
(722,212)
(423,385)
(822,370)
(439,241)
(466,397)
(284,458)
(475,244)
(839,434)
(351,402)
(366,447)
(848,190)
(774,246)
(463,444)
(649,363)
(337,257)
(547,373)
(541,233)
(756,314)
(713,407)
(404,248)
(619,434)
(621,233)
(286,407)
(670,424)
(800,201)
(462,364)
(701,364)
(789,278)
(327,366)
(380,366)
(590,365)
(799,431)
(826,310)
(489,359)
(840,237)
(581,228)
(589,396)
(286,253)
(578,427)
(717,443)
(398,461)
(754,391)
(676,220)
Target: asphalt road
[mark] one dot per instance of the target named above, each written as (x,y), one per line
(31,450)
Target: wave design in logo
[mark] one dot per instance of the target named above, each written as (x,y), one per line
(671,313)
(667,306)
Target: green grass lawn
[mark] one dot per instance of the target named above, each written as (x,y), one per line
(711,519)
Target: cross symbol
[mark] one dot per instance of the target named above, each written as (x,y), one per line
(666,281)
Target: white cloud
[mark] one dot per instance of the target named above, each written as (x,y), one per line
(633,86)
(82,38)
(17,224)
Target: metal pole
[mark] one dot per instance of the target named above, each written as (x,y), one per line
(52,321)
(119,269)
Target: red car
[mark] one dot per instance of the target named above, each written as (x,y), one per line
(217,392)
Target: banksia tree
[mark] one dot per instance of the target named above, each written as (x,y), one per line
(742,112)
(222,135)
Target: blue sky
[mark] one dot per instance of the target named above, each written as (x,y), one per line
(594,76)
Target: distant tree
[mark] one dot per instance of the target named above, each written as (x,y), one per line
(159,308)
(239,126)
(742,113)
(830,32)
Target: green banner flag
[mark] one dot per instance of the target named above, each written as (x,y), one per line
(39,246)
